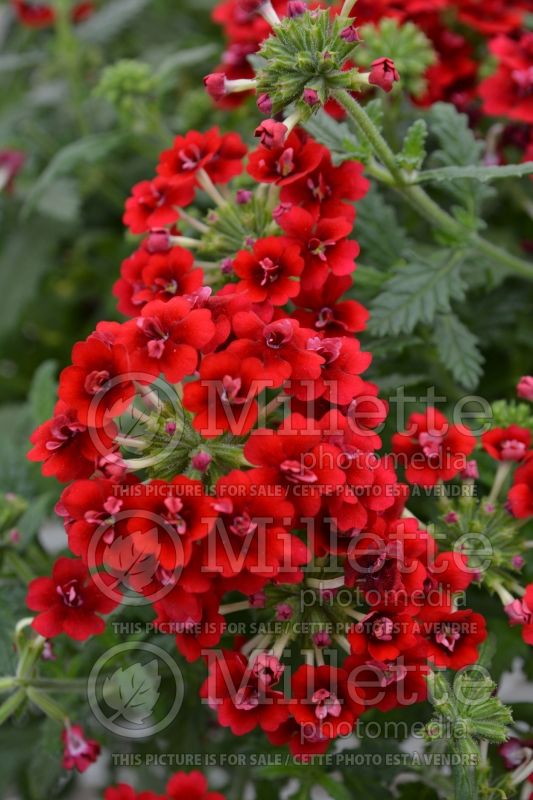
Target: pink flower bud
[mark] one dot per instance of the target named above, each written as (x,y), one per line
(170,428)
(470,470)
(215,84)
(525,388)
(226,266)
(321,639)
(243,196)
(310,97)
(257,600)
(14,536)
(518,612)
(264,104)
(517,562)
(271,133)
(11,162)
(158,241)
(350,34)
(296,8)
(384,74)
(284,612)
(451,518)
(201,460)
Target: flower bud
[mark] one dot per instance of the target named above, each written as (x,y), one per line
(201,460)
(243,196)
(215,84)
(158,241)
(296,8)
(271,133)
(264,104)
(350,34)
(310,97)
(383,73)
(525,388)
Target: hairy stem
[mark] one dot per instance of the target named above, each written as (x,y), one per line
(417,196)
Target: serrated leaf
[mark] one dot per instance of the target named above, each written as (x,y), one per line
(413,150)
(416,293)
(336,136)
(373,217)
(109,21)
(458,350)
(43,390)
(133,692)
(476,172)
(87,150)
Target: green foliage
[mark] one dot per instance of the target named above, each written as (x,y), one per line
(458,350)
(416,292)
(413,151)
(478,173)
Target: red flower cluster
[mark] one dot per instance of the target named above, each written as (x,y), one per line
(181,786)
(42,15)
(267,477)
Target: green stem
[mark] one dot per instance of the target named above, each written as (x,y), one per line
(9,706)
(47,705)
(417,196)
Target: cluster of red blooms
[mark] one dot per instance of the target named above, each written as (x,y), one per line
(313,495)
(464,33)
(181,786)
(35,14)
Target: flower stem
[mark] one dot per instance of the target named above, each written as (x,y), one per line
(504,468)
(417,196)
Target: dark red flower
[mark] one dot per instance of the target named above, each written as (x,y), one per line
(122,791)
(322,703)
(326,314)
(68,448)
(190,786)
(323,244)
(166,338)
(521,493)
(433,450)
(153,203)
(97,384)
(242,696)
(269,270)
(219,155)
(287,163)
(507,444)
(149,276)
(69,602)
(387,684)
(280,345)
(452,637)
(223,398)
(383,635)
(78,752)
(326,187)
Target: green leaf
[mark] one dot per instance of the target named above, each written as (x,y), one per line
(88,150)
(413,151)
(416,293)
(113,18)
(62,200)
(167,69)
(458,350)
(458,148)
(43,390)
(373,217)
(478,173)
(335,790)
(22,267)
(336,136)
